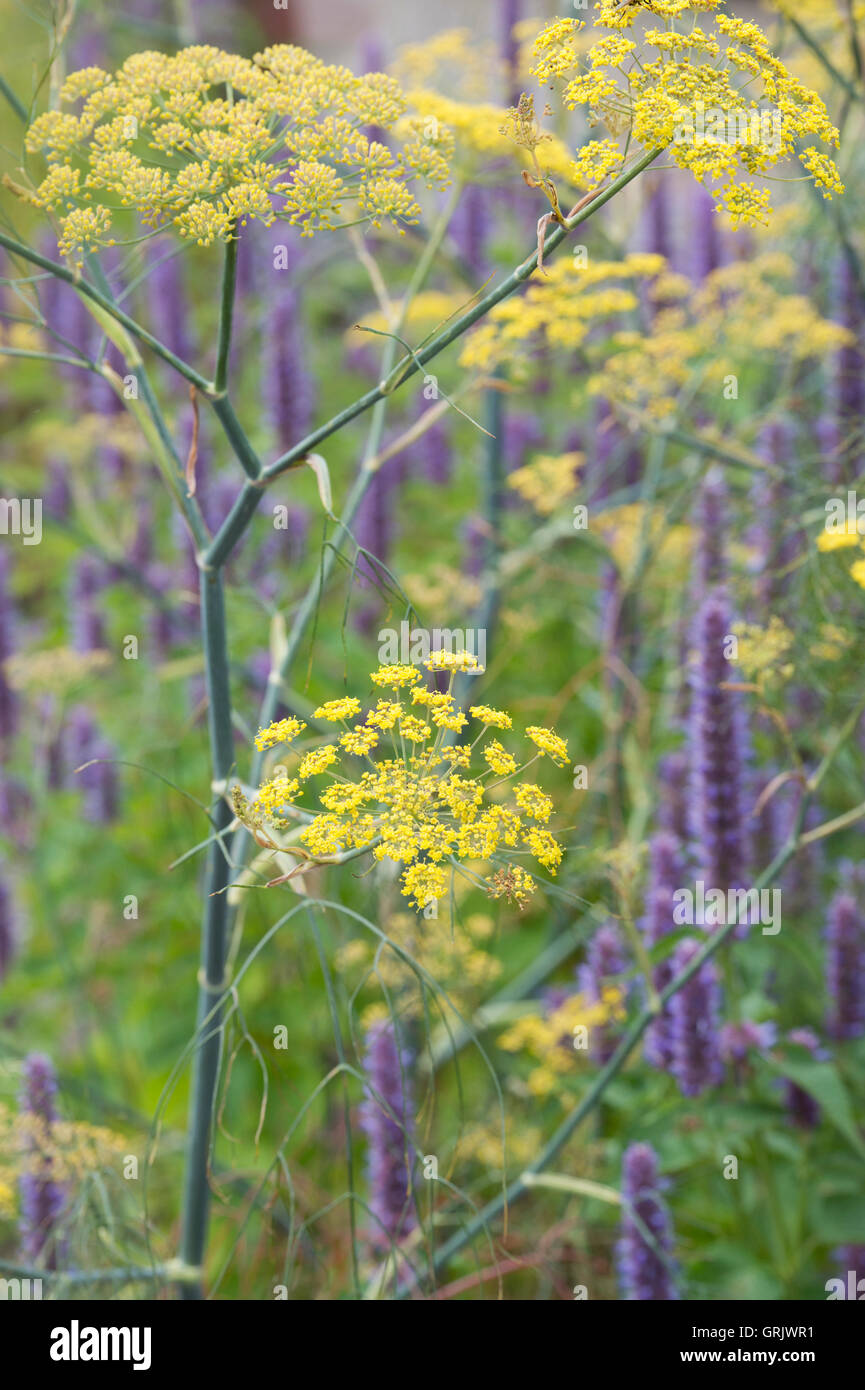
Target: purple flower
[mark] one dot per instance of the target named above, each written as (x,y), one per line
(468,229)
(712,527)
(57,496)
(510,16)
(288,389)
(775,541)
(803,1109)
(15,806)
(845,968)
(386,1118)
(82,743)
(42,1199)
(476,533)
(705,239)
(605,961)
(694,1009)
(658,231)
(828,437)
(850,1257)
(738,1039)
(646,1242)
(522,435)
(851,362)
(716,750)
(8,930)
(373,527)
(665,876)
(67,318)
(433,451)
(167,302)
(8,698)
(673,785)
(87,625)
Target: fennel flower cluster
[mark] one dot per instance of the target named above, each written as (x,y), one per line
(739,312)
(549,1037)
(423,801)
(557,312)
(715,97)
(205,140)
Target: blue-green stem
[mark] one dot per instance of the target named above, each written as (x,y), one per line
(18,248)
(226,312)
(214,936)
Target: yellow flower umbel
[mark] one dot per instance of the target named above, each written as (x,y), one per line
(556,314)
(716,98)
(741,312)
(548,1037)
(204,140)
(397,786)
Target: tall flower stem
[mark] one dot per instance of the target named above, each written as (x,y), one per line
(226,312)
(214,934)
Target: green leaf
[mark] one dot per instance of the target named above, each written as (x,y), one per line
(822,1081)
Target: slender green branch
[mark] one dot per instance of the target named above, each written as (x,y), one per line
(97,1276)
(18,248)
(237,437)
(823,57)
(14,101)
(226,311)
(83,362)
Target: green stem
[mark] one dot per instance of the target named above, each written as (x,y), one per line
(15,102)
(17,248)
(226,311)
(196,1200)
(237,437)
(822,57)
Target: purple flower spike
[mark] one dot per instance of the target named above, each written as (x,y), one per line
(776,542)
(605,961)
(644,1248)
(673,778)
(712,516)
(510,17)
(717,746)
(434,452)
(845,968)
(42,1199)
(739,1039)
(288,389)
(666,875)
(169,308)
(82,744)
(386,1118)
(707,253)
(468,229)
(694,1009)
(659,239)
(476,534)
(851,363)
(8,930)
(8,698)
(803,1109)
(87,625)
